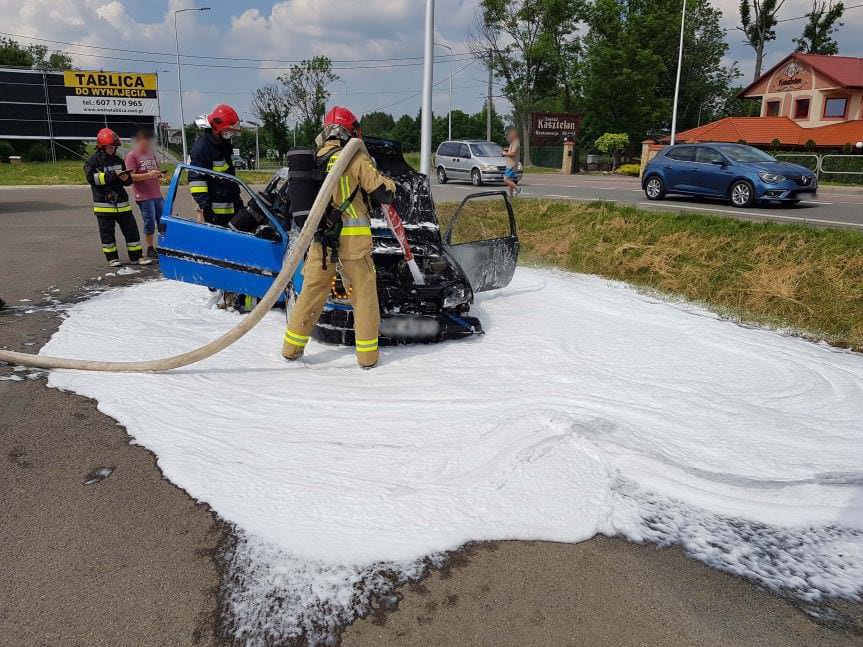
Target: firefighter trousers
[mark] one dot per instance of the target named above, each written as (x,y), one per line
(317,282)
(107,232)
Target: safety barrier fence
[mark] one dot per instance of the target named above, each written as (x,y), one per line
(842,169)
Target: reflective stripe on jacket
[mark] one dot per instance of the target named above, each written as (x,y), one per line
(109,189)
(210,192)
(359,179)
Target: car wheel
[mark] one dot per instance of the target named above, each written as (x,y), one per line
(654,189)
(441,175)
(475,177)
(742,194)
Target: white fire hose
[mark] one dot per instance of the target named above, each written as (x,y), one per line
(289,266)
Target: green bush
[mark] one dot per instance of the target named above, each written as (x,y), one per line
(629,169)
(5,151)
(37,153)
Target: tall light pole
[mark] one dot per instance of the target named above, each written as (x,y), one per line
(428,78)
(257,143)
(180,79)
(346,91)
(449,112)
(677,83)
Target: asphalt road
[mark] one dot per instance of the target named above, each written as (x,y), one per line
(133,560)
(832,207)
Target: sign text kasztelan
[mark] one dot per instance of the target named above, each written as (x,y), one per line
(553,127)
(112,93)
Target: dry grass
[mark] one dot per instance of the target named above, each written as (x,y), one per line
(787,276)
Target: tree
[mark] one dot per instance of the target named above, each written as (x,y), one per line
(13,54)
(759,28)
(305,88)
(817,37)
(526,43)
(377,124)
(270,106)
(407,131)
(612,144)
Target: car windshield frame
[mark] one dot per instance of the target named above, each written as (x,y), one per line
(749,153)
(480,149)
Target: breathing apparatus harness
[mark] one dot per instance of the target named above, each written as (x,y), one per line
(307,175)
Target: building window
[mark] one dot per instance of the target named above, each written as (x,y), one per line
(834,107)
(772,109)
(801,109)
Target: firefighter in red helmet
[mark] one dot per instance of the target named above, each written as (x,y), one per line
(108,178)
(351,245)
(217,199)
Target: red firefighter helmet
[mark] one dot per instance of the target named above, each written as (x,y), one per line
(107,137)
(223,118)
(342,123)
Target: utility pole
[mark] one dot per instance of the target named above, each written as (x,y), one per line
(489,106)
(677,83)
(180,79)
(428,79)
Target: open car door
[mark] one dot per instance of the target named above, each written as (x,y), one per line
(219,257)
(486,240)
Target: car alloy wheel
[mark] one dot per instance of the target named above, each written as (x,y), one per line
(475,178)
(653,188)
(741,194)
(441,176)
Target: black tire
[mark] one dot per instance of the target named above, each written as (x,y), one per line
(441,175)
(654,188)
(476,177)
(741,194)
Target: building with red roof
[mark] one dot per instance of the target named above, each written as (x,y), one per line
(803,97)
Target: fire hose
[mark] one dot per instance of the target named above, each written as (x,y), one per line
(289,266)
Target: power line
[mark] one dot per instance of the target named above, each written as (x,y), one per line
(856,6)
(416,94)
(223,58)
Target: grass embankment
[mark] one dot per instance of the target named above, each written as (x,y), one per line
(72,172)
(787,276)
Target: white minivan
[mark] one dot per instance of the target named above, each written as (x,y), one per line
(475,160)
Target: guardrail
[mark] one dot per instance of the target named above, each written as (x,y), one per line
(826,164)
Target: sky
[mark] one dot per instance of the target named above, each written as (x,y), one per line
(344,30)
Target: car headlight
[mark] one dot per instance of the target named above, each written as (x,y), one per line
(771,178)
(455,296)
(488,167)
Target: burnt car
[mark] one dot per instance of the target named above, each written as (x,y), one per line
(246,262)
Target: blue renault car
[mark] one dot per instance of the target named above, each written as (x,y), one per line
(741,174)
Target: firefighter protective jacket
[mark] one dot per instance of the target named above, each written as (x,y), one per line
(109,190)
(212,193)
(360,180)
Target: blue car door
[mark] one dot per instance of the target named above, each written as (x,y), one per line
(713,175)
(679,168)
(218,257)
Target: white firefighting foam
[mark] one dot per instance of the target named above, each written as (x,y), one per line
(587,408)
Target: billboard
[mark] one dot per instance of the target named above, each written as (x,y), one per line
(114,93)
(554,127)
(33,106)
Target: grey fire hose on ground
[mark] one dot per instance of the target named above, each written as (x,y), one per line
(289,266)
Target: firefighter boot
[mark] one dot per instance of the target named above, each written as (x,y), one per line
(367,315)
(309,305)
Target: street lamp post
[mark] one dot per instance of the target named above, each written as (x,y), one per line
(257,143)
(346,91)
(180,79)
(677,83)
(428,77)
(449,112)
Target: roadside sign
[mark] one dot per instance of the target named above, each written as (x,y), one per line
(554,127)
(114,93)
